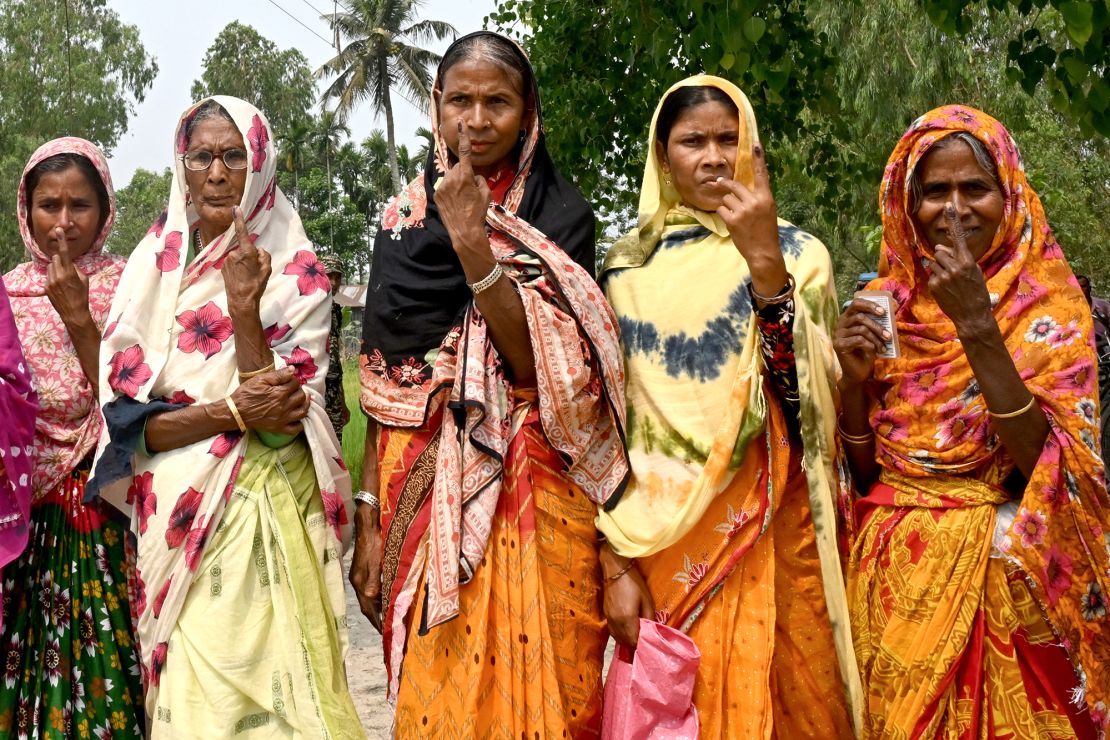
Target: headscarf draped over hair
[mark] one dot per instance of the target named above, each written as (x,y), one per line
(695,371)
(931,419)
(69,422)
(169,341)
(425,343)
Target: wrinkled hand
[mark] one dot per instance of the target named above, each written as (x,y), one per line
(366,563)
(67,287)
(956,282)
(462,199)
(751,216)
(273,402)
(627,599)
(246,270)
(859,340)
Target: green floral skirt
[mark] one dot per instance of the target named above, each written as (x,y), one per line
(70,668)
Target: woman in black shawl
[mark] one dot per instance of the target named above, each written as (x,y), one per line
(491,375)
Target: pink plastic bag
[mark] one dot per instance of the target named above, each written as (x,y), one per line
(650,696)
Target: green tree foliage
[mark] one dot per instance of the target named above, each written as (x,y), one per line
(137,206)
(243,63)
(88,86)
(382,53)
(602,67)
(1071,57)
(829,121)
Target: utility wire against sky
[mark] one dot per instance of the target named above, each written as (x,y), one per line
(299,22)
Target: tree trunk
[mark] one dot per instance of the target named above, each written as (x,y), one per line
(331,213)
(391,144)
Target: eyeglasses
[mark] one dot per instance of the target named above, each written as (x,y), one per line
(198,161)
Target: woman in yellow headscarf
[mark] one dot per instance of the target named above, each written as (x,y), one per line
(725,313)
(979,575)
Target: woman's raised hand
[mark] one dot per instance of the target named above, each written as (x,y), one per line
(67,288)
(859,340)
(752,221)
(955,280)
(273,402)
(463,198)
(246,271)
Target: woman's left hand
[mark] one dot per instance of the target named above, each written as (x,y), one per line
(67,287)
(752,221)
(955,281)
(246,270)
(463,198)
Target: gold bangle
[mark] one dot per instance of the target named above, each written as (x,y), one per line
(252,373)
(1012,414)
(617,576)
(854,438)
(235,414)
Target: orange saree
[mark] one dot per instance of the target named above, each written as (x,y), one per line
(754,602)
(530,633)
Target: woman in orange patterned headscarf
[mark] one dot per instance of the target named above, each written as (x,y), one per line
(979,573)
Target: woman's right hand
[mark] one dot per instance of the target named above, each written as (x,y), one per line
(859,340)
(627,598)
(273,402)
(246,271)
(366,563)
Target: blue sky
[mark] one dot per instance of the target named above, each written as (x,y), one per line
(178,34)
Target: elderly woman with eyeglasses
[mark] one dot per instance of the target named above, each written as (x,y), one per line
(213,370)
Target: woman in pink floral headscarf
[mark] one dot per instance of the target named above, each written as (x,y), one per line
(71,666)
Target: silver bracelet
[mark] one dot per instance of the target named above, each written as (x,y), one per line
(486,282)
(368,498)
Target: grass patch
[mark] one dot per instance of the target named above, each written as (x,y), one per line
(354,434)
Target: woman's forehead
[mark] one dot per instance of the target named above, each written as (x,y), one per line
(215,130)
(482,72)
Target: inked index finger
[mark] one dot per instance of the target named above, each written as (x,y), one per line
(464,147)
(63,248)
(759,164)
(241,234)
(956,229)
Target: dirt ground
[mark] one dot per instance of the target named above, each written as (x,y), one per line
(366,670)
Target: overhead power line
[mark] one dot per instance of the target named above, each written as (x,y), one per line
(314,8)
(299,22)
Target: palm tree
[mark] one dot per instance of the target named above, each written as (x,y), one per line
(325,138)
(382,53)
(293,141)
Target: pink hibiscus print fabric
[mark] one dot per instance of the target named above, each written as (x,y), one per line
(169,258)
(129,372)
(275,333)
(224,444)
(182,516)
(205,330)
(311,275)
(141,496)
(257,138)
(303,364)
(334,511)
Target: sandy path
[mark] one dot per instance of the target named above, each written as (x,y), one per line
(366,669)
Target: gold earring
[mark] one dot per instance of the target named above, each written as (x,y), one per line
(667,179)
